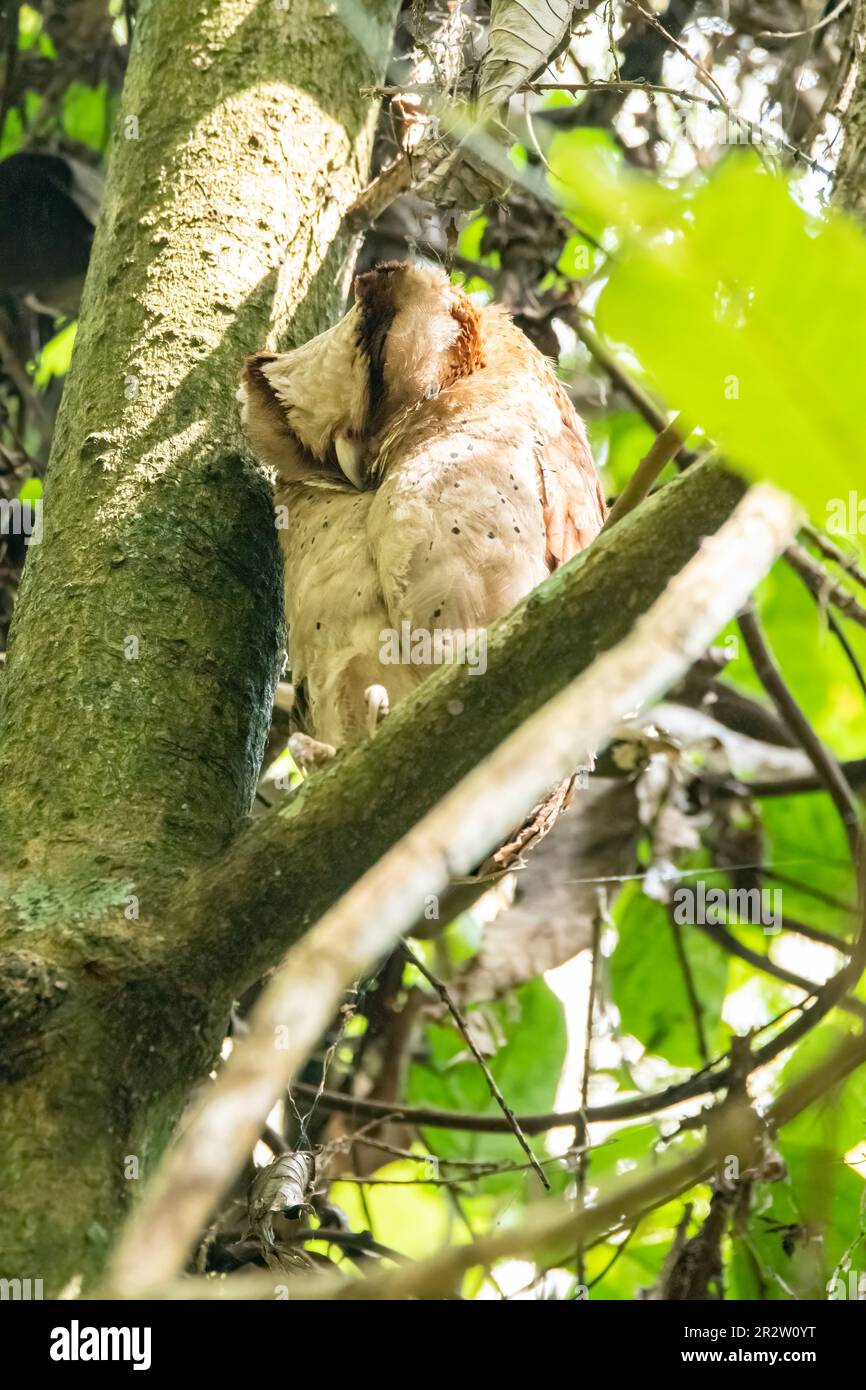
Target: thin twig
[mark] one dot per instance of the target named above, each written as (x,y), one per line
(812,29)
(851,656)
(768,871)
(620,1249)
(834,552)
(476,1168)
(822,759)
(707,80)
(691,990)
(613,85)
(581,1131)
(444,844)
(729,943)
(823,586)
(711,1079)
(445,995)
(665,447)
(732,1130)
(853,770)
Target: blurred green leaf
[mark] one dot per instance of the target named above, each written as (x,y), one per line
(619,441)
(407,1215)
(55,357)
(31,491)
(13,127)
(807,844)
(577,259)
(826,1189)
(747,311)
(648,985)
(85,114)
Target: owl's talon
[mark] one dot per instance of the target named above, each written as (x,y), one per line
(308,753)
(377,706)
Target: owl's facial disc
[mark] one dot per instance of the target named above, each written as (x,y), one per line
(304,411)
(409,334)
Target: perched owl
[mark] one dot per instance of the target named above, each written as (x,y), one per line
(432,470)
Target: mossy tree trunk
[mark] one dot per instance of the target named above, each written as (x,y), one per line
(138,688)
(850,188)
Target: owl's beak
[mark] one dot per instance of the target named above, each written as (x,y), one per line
(350,457)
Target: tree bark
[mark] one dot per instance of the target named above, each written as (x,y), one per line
(850,189)
(147,641)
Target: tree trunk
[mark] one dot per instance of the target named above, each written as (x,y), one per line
(850,190)
(147,640)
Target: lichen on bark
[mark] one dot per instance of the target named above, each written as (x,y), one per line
(148,637)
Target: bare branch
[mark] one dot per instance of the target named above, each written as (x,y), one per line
(467,824)
(666,446)
(732,1130)
(821,757)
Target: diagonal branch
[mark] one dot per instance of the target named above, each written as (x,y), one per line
(732,1130)
(447,1000)
(823,760)
(233,919)
(467,824)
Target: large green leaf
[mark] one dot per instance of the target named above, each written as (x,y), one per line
(648,984)
(747,311)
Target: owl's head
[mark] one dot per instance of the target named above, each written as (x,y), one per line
(409,334)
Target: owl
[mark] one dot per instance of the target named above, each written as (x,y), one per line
(431,472)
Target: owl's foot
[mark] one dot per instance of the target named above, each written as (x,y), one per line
(377,705)
(309,753)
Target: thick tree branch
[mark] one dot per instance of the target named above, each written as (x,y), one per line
(468,823)
(236,916)
(850,189)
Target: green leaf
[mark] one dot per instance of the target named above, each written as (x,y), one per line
(54,358)
(29,28)
(13,127)
(620,440)
(648,985)
(578,258)
(85,114)
(748,313)
(410,1216)
(31,491)
(526,1067)
(827,1190)
(807,843)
